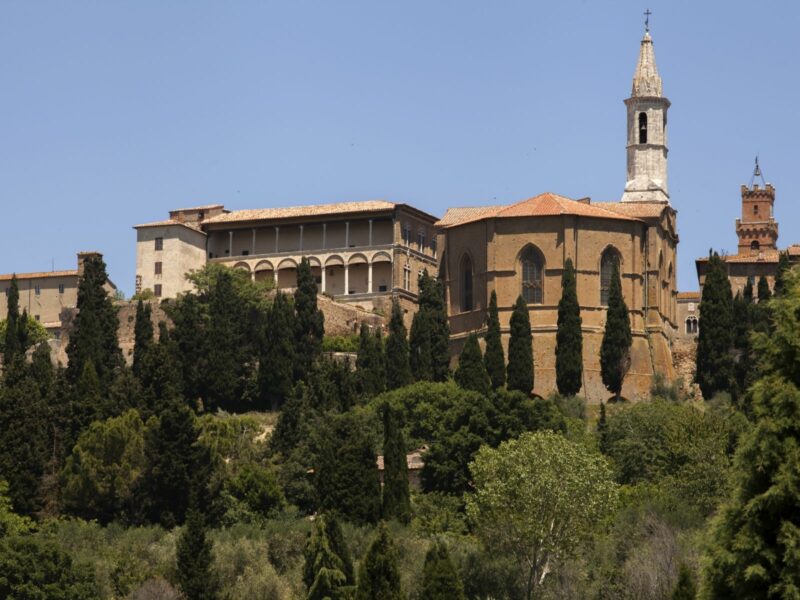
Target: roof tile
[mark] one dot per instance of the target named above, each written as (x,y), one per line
(313,210)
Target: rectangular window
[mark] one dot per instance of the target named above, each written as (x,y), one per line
(406,234)
(157,290)
(37,317)
(159,243)
(245,252)
(406,277)
(37,289)
(158,268)
(421,240)
(433,246)
(60,288)
(57,334)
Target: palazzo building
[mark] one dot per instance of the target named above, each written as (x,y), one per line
(360,252)
(46,294)
(520,250)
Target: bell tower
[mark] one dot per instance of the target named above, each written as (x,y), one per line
(647,131)
(757,229)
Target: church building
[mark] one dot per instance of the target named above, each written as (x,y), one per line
(521,248)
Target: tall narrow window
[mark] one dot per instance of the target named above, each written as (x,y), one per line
(60,288)
(406,277)
(607,261)
(159,243)
(157,290)
(466,284)
(158,268)
(642,128)
(37,289)
(433,246)
(532,275)
(754,245)
(421,240)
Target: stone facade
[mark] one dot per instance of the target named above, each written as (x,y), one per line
(360,252)
(46,295)
(757,248)
(688,305)
(520,249)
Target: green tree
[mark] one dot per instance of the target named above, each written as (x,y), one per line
(781,272)
(685,589)
(743,371)
(324,570)
(537,498)
(398,371)
(615,349)
(194,560)
(747,293)
(175,465)
(602,429)
(519,372)
(41,369)
(94,334)
(493,358)
(190,317)
(440,580)
(345,469)
(101,473)
(764,292)
(379,577)
(256,488)
(714,371)
(275,370)
(24,430)
(429,343)
(754,536)
(10,522)
(471,372)
(37,569)
(142,334)
(371,363)
(569,338)
(396,496)
(87,402)
(310,322)
(11,346)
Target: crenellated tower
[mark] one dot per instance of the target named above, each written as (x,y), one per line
(757,229)
(647,131)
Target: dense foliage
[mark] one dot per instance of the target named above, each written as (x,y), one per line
(615,350)
(569,338)
(715,340)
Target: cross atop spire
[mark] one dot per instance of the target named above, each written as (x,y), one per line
(647,14)
(646,81)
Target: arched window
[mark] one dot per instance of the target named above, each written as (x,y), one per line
(754,245)
(642,128)
(691,325)
(466,284)
(607,261)
(532,275)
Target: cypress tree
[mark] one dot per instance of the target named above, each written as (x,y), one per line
(747,293)
(339,546)
(142,335)
(370,364)
(379,577)
(780,273)
(615,350)
(345,469)
(743,366)
(764,293)
(519,373)
(87,405)
(714,357)
(190,320)
(569,338)
(309,323)
(493,358)
(194,559)
(396,496)
(429,343)
(323,570)
(471,372)
(275,370)
(94,335)
(398,371)
(685,589)
(602,429)
(41,369)
(160,375)
(440,580)
(11,346)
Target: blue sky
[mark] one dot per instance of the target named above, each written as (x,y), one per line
(115,112)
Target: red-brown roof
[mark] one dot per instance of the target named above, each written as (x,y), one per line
(641,210)
(313,210)
(543,205)
(688,295)
(40,275)
(168,223)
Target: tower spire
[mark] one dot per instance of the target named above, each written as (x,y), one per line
(647,129)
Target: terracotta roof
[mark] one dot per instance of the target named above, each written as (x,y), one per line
(688,295)
(634,209)
(312,210)
(167,223)
(40,275)
(794,250)
(465,214)
(763,256)
(204,207)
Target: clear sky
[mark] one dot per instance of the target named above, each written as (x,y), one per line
(111,112)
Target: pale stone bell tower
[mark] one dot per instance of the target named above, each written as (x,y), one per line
(647,131)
